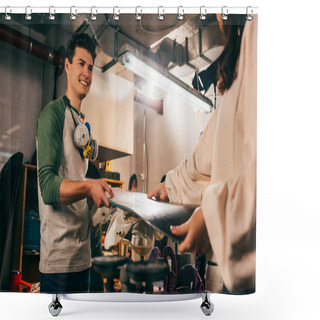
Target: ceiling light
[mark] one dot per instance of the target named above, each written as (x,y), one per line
(147,69)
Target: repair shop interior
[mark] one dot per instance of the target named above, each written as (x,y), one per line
(152,94)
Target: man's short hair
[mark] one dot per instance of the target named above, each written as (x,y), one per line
(81,40)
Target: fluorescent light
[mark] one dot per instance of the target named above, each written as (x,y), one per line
(150,71)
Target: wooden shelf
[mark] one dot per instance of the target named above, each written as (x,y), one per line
(114,183)
(27,263)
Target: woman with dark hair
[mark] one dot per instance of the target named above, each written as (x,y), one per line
(220,174)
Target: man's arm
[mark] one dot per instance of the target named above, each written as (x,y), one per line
(73,191)
(49,147)
(55,190)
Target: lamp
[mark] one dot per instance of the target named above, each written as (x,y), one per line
(147,69)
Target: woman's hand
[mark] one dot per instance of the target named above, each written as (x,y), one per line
(197,239)
(159,193)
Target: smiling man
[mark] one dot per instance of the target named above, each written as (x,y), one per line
(65,253)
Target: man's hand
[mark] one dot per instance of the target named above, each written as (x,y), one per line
(197,239)
(73,191)
(159,193)
(98,190)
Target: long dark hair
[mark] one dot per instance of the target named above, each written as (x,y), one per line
(227,62)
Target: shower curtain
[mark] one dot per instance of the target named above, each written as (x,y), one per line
(171,99)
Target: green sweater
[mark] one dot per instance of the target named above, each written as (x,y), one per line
(65,237)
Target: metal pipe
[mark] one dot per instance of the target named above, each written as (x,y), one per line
(30,46)
(147,101)
(200,48)
(115,53)
(187,57)
(144,152)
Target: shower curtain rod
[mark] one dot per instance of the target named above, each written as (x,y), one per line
(138,10)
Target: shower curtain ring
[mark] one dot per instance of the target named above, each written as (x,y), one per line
(73,12)
(224,13)
(203,13)
(28,13)
(52,11)
(160,14)
(93,16)
(116,13)
(180,13)
(138,14)
(249,17)
(7,16)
